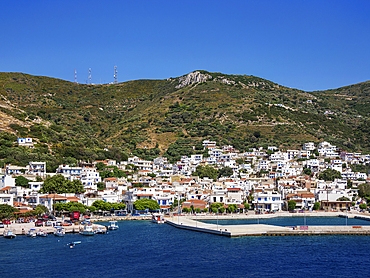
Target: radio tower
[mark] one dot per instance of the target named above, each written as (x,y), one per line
(115,74)
(89,76)
(75,76)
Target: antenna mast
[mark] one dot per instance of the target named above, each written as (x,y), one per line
(89,76)
(115,74)
(75,75)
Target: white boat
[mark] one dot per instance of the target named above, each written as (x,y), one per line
(100,231)
(113,225)
(87,230)
(9,234)
(59,231)
(158,218)
(42,233)
(31,233)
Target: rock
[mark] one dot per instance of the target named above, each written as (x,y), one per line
(192,78)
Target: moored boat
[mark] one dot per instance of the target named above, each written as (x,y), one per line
(59,232)
(100,231)
(9,234)
(42,233)
(113,225)
(87,230)
(158,218)
(31,233)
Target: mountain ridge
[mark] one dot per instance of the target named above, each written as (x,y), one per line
(149,116)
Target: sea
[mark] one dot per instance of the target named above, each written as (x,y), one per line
(146,249)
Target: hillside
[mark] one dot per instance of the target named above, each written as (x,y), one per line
(151,117)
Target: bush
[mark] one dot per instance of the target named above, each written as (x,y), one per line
(316,206)
(363,206)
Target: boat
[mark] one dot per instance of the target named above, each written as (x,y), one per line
(113,225)
(73,243)
(100,231)
(42,233)
(31,233)
(59,231)
(9,234)
(158,218)
(87,230)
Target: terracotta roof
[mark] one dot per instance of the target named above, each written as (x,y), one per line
(54,196)
(142,195)
(233,189)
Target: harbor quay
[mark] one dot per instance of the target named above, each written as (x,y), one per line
(23,228)
(192,223)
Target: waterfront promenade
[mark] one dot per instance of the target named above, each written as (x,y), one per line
(191,223)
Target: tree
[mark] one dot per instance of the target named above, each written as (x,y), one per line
(316,206)
(225,172)
(330,175)
(363,206)
(232,208)
(291,205)
(206,171)
(307,171)
(100,166)
(102,205)
(186,210)
(144,204)
(205,210)
(40,209)
(100,185)
(7,211)
(198,210)
(58,184)
(22,181)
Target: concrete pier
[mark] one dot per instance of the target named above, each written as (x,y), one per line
(183,222)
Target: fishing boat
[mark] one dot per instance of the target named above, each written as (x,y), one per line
(158,218)
(73,243)
(42,233)
(87,230)
(59,231)
(113,225)
(9,234)
(31,233)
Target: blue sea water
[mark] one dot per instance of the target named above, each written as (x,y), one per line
(145,249)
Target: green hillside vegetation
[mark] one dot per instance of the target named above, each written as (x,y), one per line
(148,118)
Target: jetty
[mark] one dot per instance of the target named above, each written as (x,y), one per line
(189,223)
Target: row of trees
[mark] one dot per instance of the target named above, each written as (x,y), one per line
(212,173)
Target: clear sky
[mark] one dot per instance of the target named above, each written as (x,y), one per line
(309,45)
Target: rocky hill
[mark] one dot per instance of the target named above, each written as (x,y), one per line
(151,117)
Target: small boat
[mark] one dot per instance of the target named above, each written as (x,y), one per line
(31,233)
(113,225)
(158,218)
(9,234)
(87,230)
(100,231)
(42,233)
(73,243)
(59,231)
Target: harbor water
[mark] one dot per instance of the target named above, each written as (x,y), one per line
(145,249)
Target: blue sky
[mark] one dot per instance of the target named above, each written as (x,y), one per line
(310,45)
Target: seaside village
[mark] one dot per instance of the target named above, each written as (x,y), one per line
(263,180)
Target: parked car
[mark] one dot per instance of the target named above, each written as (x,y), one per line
(7,222)
(58,223)
(39,223)
(48,223)
(66,223)
(52,218)
(1,225)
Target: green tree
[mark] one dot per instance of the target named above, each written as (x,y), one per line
(225,172)
(22,181)
(307,171)
(58,184)
(144,204)
(232,208)
(316,206)
(198,210)
(363,206)
(40,209)
(102,205)
(206,171)
(7,211)
(100,166)
(100,185)
(330,175)
(291,205)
